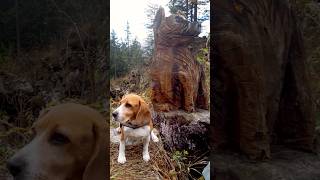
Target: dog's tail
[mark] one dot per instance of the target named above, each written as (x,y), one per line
(154,136)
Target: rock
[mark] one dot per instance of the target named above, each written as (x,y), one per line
(262,90)
(178,79)
(182,130)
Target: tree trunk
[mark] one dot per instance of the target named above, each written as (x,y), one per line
(191,12)
(187,9)
(17,29)
(179,93)
(195,17)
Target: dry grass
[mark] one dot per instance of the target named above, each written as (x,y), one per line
(160,165)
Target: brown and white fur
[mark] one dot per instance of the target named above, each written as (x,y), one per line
(69,143)
(135,117)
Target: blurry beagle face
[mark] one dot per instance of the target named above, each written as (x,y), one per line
(133,110)
(65,138)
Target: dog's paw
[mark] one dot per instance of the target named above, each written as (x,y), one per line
(121,159)
(154,138)
(146,157)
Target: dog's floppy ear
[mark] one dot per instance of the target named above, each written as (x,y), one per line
(97,165)
(144,114)
(160,15)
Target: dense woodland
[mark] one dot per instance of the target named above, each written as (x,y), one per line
(127,54)
(51,51)
(53,42)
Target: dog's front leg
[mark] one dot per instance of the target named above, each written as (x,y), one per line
(122,148)
(145,153)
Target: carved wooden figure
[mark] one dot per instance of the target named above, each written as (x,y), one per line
(178,79)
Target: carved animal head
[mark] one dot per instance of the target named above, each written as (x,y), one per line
(174,30)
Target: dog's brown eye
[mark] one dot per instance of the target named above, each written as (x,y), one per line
(59,139)
(128,105)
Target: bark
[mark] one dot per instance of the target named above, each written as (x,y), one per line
(183,130)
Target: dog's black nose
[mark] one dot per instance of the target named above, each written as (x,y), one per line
(15,166)
(115,114)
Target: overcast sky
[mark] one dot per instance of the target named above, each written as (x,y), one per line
(133,11)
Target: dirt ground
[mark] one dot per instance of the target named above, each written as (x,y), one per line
(135,167)
(285,164)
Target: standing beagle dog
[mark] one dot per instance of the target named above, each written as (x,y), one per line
(70,143)
(134,117)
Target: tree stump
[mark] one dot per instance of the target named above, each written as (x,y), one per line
(179,94)
(182,130)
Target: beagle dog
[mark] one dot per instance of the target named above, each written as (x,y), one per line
(70,143)
(134,117)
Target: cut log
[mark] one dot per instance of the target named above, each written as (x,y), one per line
(182,130)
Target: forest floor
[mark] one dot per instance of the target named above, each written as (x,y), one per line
(135,167)
(160,165)
(163,164)
(285,164)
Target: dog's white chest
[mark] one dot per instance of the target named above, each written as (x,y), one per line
(136,133)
